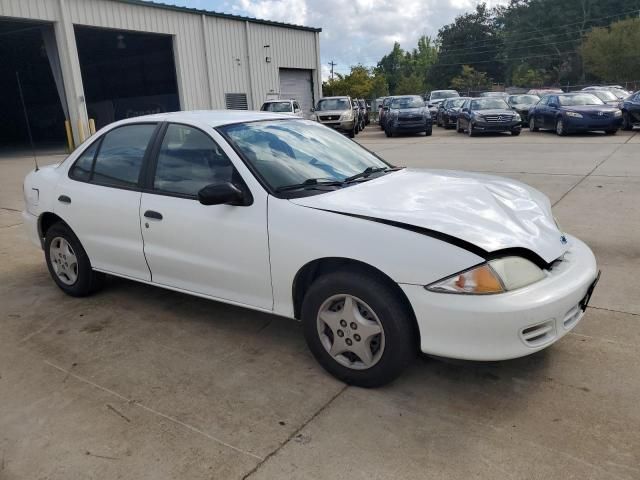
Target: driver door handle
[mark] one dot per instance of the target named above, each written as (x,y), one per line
(152,214)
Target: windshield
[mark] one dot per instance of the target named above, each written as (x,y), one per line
(444,94)
(579,99)
(455,103)
(493,94)
(489,103)
(407,102)
(523,99)
(605,95)
(333,104)
(277,107)
(288,152)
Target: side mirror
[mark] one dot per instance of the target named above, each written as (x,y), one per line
(220,194)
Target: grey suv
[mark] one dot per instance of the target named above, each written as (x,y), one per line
(338,113)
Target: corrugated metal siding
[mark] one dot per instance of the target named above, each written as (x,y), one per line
(233,67)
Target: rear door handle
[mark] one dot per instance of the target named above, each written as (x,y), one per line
(153,214)
(64,199)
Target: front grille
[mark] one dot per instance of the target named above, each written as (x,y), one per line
(327,118)
(538,334)
(597,116)
(497,118)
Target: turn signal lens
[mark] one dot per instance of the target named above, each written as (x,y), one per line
(480,280)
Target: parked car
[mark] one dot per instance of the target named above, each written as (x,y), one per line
(631,111)
(617,90)
(448,110)
(544,91)
(366,108)
(362,113)
(287,107)
(488,114)
(607,96)
(437,97)
(574,112)
(286,216)
(357,114)
(522,104)
(337,113)
(383,112)
(408,114)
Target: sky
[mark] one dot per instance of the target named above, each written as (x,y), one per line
(353,32)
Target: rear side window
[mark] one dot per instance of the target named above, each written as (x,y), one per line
(190,160)
(81,170)
(121,154)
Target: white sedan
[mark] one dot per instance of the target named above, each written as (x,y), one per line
(286,216)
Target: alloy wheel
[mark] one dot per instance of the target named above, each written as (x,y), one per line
(350,331)
(63,261)
(560,127)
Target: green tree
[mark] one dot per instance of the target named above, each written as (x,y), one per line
(611,54)
(361,82)
(410,85)
(525,76)
(470,80)
(392,66)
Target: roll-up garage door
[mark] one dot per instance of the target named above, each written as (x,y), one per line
(297,84)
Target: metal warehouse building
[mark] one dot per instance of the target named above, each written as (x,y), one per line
(69,64)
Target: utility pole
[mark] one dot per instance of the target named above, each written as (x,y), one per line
(333,64)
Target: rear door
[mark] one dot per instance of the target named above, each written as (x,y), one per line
(219,250)
(100,199)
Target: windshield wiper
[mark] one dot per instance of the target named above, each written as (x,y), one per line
(370,171)
(311,182)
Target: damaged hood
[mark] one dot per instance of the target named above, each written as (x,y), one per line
(491,213)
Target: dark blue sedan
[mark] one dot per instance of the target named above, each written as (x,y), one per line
(574,112)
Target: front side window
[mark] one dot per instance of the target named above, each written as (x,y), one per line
(189,160)
(121,154)
(287,152)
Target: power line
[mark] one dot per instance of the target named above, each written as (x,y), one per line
(559,54)
(333,64)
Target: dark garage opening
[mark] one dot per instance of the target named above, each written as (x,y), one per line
(29,49)
(126,74)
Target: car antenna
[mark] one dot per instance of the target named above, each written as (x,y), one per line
(26,119)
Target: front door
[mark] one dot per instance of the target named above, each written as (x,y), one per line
(219,250)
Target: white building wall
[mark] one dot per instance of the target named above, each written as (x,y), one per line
(214,55)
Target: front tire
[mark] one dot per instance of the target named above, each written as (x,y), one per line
(68,263)
(429,131)
(560,128)
(388,132)
(358,329)
(470,130)
(532,125)
(515,133)
(626,121)
(458,128)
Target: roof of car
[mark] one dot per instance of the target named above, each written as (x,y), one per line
(280,100)
(213,118)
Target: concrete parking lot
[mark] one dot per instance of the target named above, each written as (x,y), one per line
(138,382)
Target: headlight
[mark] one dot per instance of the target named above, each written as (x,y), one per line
(618,113)
(347,116)
(497,276)
(574,114)
(517,117)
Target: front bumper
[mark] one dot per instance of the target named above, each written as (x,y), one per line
(508,325)
(587,124)
(481,126)
(341,126)
(412,126)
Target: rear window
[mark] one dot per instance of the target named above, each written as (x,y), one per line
(282,107)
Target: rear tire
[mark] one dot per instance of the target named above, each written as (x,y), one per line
(626,121)
(68,263)
(375,308)
(611,132)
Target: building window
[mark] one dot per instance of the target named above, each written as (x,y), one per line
(236,101)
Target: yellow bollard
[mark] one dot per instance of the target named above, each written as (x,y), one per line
(92,126)
(81,131)
(67,127)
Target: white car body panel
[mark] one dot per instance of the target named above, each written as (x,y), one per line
(414,226)
(490,212)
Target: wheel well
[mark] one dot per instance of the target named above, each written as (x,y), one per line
(45,222)
(312,270)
